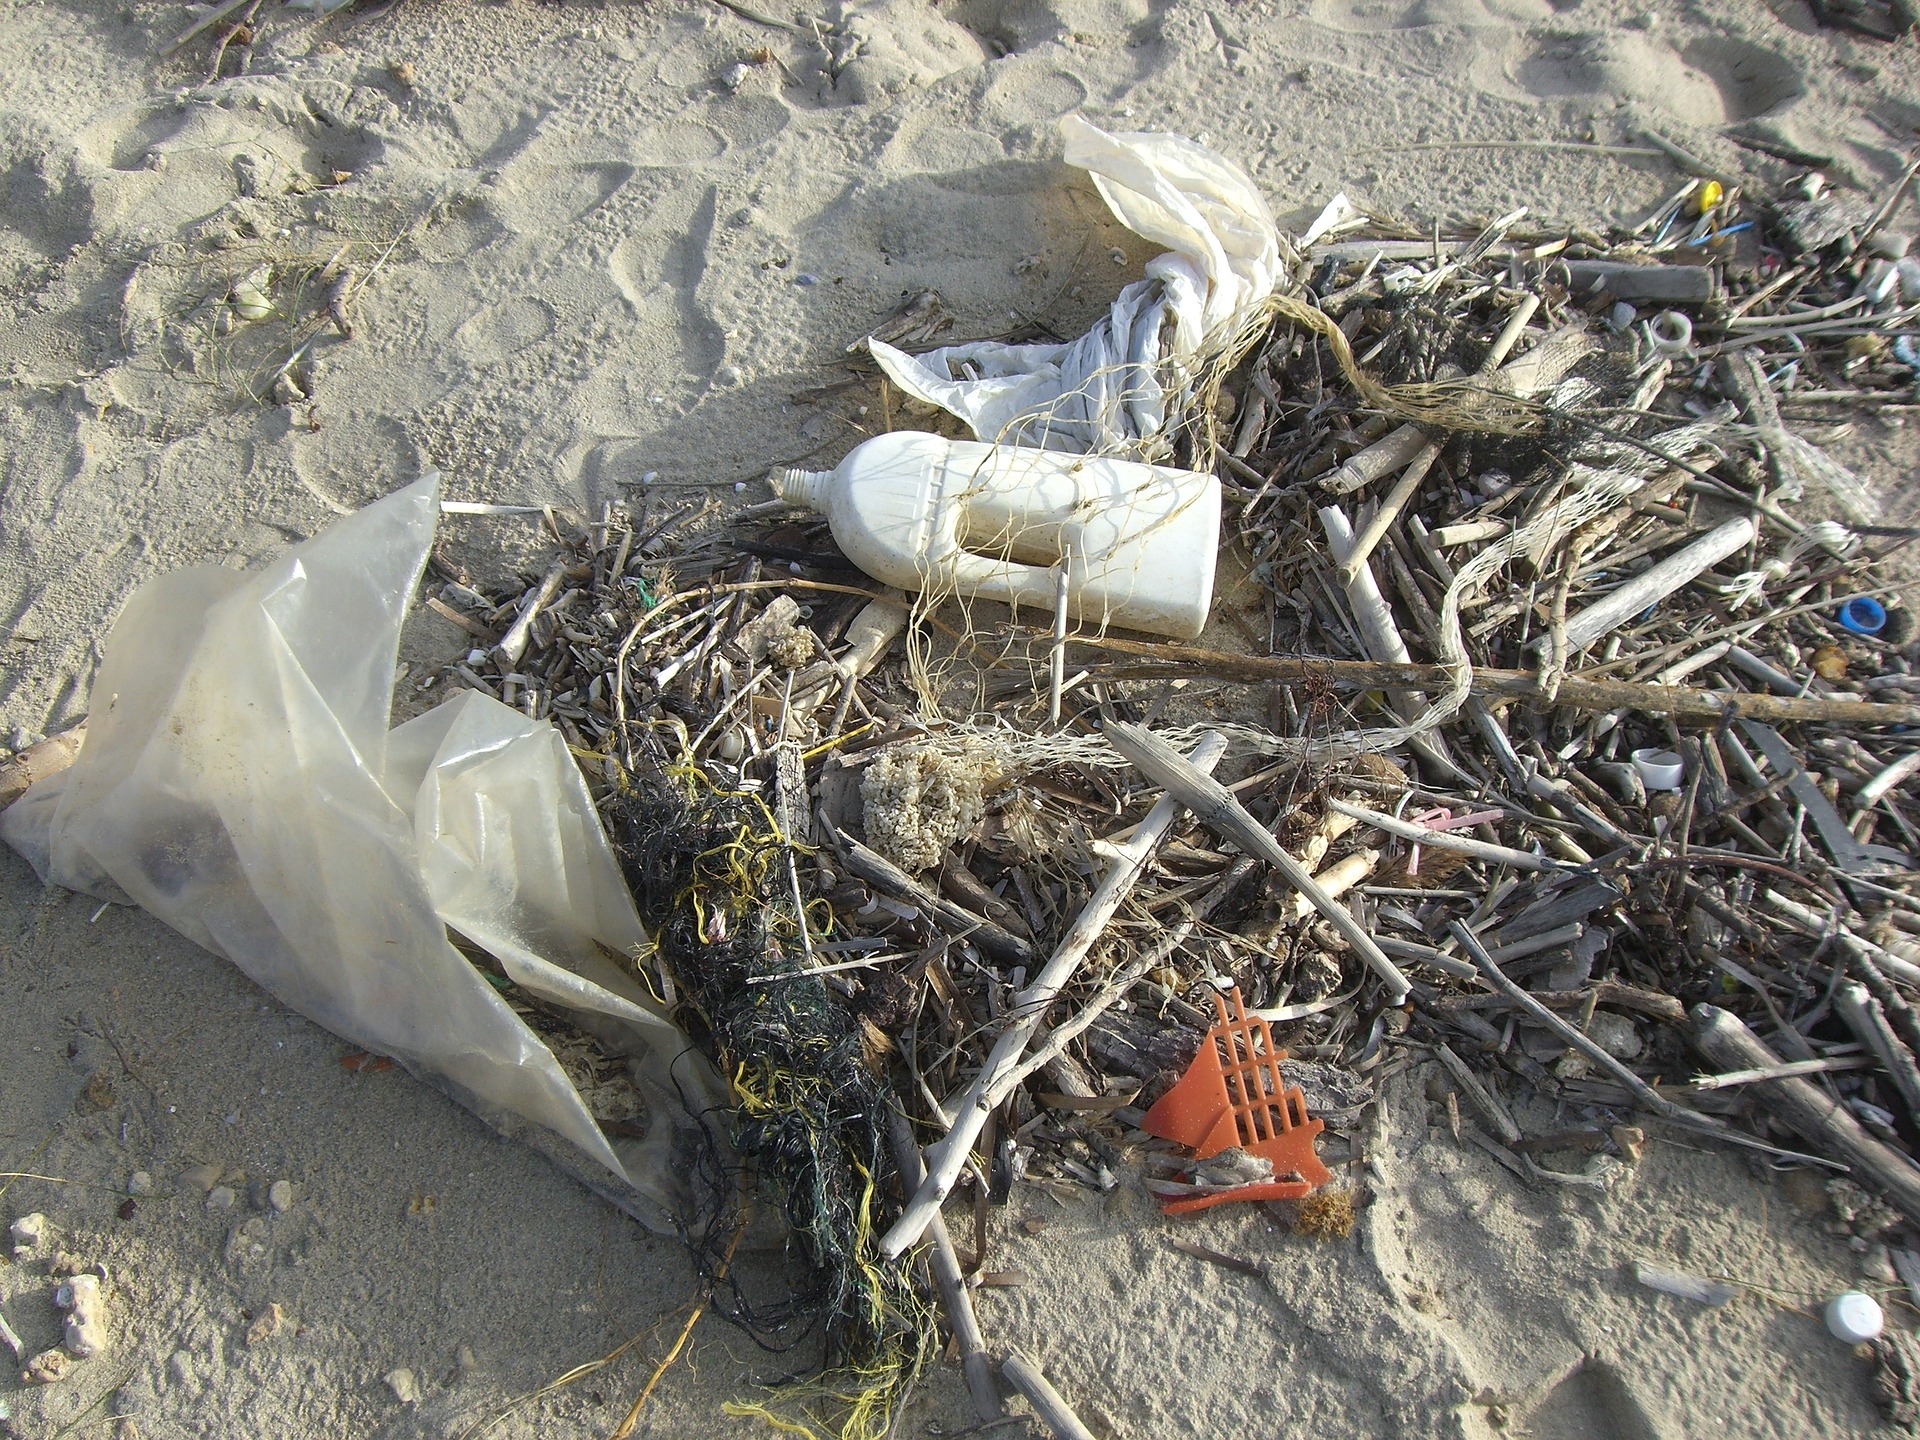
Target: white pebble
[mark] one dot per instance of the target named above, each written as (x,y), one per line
(140,1183)
(280,1196)
(29,1234)
(404,1384)
(86,1307)
(221,1197)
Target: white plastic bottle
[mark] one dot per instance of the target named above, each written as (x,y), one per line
(1136,543)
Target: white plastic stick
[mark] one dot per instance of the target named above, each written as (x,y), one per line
(1657,582)
(948,1157)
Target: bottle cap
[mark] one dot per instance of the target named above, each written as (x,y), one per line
(1863,616)
(1659,769)
(1855,1317)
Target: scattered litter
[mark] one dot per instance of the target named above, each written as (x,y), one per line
(266,1324)
(1551,729)
(30,1234)
(1235,1101)
(46,1368)
(86,1321)
(1129,544)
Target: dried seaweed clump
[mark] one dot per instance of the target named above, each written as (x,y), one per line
(920,800)
(1326,1214)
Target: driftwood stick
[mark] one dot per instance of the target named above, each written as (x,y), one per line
(1496,1114)
(1783,1070)
(1052,1410)
(513,644)
(882,873)
(1368,540)
(1214,806)
(35,763)
(944,1262)
(1576,692)
(1866,1019)
(1443,839)
(1817,1119)
(1118,984)
(1580,1041)
(946,1159)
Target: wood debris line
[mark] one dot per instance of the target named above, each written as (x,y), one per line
(1515,821)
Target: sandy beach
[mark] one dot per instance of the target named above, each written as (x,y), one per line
(616,253)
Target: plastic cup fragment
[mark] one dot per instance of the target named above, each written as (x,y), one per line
(1659,769)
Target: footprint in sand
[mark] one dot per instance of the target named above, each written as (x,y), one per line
(1589,1400)
(1374,17)
(531,198)
(1026,90)
(1709,83)
(504,330)
(680,142)
(126,138)
(40,200)
(659,268)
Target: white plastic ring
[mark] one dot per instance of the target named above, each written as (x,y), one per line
(1659,769)
(1671,333)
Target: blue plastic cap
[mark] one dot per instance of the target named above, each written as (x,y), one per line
(1863,616)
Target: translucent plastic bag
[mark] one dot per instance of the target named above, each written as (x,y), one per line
(1109,391)
(238,780)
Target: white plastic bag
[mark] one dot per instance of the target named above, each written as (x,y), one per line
(238,780)
(1109,392)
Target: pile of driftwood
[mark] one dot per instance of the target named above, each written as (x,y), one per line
(1569,713)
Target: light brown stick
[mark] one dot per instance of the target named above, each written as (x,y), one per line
(944,1262)
(882,873)
(1576,692)
(946,1159)
(1053,1410)
(49,757)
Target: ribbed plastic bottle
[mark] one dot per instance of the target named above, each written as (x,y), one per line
(1136,543)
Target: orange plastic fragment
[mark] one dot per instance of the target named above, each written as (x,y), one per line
(1234,1094)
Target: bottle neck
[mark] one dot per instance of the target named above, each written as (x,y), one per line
(803,487)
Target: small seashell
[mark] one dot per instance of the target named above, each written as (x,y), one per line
(248,295)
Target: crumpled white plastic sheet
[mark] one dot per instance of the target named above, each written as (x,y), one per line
(239,781)
(1111,391)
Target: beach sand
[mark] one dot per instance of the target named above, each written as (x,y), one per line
(615,251)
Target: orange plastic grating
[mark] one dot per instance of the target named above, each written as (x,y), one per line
(1234,1094)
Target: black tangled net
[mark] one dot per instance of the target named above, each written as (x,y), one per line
(709,870)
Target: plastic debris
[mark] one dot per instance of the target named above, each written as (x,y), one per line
(1234,1097)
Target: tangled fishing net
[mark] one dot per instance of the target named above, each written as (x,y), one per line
(710,872)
